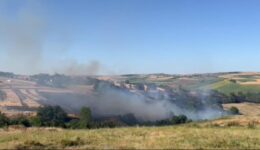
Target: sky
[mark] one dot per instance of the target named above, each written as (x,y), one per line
(129,36)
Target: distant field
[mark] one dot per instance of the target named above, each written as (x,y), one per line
(190,136)
(227,86)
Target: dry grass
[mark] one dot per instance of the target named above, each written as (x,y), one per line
(256,82)
(12,99)
(247,109)
(191,136)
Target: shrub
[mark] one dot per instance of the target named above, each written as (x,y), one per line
(129,119)
(72,142)
(35,121)
(4,121)
(179,119)
(52,116)
(73,124)
(21,120)
(234,110)
(233,124)
(30,145)
(85,117)
(252,125)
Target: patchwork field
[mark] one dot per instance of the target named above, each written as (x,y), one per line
(22,96)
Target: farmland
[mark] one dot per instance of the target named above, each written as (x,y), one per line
(19,95)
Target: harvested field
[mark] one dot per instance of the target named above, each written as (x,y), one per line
(247,109)
(11,99)
(22,95)
(256,82)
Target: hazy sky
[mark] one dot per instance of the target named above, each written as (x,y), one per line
(130,36)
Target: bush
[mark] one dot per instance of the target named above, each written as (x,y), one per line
(21,120)
(129,119)
(252,125)
(35,121)
(30,145)
(72,142)
(4,121)
(179,119)
(234,110)
(52,116)
(174,120)
(73,124)
(85,117)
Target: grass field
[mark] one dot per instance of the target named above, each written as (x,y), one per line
(189,136)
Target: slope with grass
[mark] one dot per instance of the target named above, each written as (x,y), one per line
(190,136)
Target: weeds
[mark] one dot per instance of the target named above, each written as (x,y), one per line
(30,145)
(251,125)
(72,142)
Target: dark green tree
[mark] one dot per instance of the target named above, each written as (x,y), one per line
(4,121)
(52,116)
(20,120)
(85,117)
(179,119)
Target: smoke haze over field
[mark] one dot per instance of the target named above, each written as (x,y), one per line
(86,37)
(72,67)
(173,37)
(109,100)
(24,38)
(113,101)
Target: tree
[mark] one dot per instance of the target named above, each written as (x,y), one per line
(85,117)
(129,119)
(179,119)
(4,121)
(35,121)
(52,116)
(73,124)
(20,120)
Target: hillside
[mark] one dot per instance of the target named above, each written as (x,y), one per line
(207,135)
(200,96)
(189,93)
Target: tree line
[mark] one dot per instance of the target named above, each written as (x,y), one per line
(233,97)
(55,116)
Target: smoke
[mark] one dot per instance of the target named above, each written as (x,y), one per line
(23,38)
(74,68)
(111,100)
(116,102)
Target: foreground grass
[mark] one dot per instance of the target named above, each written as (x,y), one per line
(192,136)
